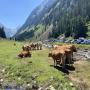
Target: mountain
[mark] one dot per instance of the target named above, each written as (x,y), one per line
(36,15)
(56,17)
(9,32)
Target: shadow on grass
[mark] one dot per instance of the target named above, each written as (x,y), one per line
(70,68)
(64,70)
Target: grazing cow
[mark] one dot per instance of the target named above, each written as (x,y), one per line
(24,54)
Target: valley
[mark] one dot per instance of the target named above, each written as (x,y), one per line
(50,50)
(38,71)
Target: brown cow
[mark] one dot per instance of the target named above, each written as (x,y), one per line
(68,49)
(38,46)
(24,54)
(69,57)
(71,48)
(33,47)
(58,57)
(26,47)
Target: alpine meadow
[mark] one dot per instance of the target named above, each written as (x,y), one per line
(50,50)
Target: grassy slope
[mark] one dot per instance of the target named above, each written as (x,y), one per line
(21,70)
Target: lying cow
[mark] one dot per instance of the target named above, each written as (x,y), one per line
(24,54)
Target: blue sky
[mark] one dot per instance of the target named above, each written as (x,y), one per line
(14,12)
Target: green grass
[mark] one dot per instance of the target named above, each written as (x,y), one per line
(22,71)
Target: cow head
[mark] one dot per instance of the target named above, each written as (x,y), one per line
(74,48)
(20,55)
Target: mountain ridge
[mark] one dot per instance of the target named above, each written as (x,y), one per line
(59,18)
(35,13)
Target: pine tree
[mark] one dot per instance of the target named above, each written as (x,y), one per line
(2,32)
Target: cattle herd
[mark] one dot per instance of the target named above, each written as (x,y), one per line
(61,55)
(27,48)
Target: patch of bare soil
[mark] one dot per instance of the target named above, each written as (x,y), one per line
(79,76)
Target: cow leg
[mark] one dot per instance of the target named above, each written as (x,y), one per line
(60,61)
(63,61)
(57,62)
(23,56)
(71,60)
(54,62)
(68,59)
(40,48)
(72,56)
